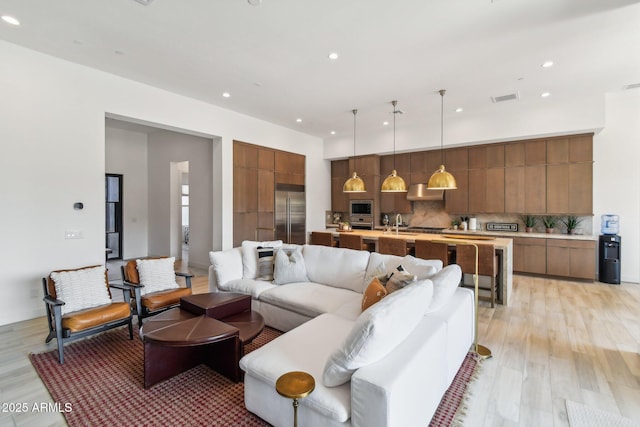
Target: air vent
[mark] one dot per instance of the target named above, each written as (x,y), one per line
(503,98)
(633,86)
(144,2)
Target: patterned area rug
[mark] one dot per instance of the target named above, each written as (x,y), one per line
(587,416)
(102,382)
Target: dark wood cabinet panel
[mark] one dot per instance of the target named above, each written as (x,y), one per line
(266,226)
(456,159)
(266,190)
(478,157)
(514,189)
(477,190)
(245,190)
(535,152)
(244,227)
(457,201)
(535,189)
(581,149)
(266,159)
(529,255)
(366,165)
(557,151)
(340,169)
(245,155)
(514,154)
(289,162)
(495,156)
(339,199)
(495,190)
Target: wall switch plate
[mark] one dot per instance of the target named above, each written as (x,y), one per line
(73,234)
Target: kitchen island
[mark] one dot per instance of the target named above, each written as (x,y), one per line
(503,247)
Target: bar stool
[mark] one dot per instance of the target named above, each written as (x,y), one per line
(392,246)
(487,266)
(352,241)
(295,385)
(323,238)
(426,249)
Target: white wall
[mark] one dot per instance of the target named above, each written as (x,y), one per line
(126,154)
(616,176)
(52,129)
(166,148)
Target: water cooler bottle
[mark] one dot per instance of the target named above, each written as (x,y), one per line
(609,251)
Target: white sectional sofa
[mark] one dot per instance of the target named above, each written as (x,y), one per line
(386,366)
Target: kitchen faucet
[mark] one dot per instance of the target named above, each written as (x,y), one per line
(398,221)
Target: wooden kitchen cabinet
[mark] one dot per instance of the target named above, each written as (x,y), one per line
(339,174)
(571,258)
(423,165)
(289,168)
(245,189)
(570,175)
(535,189)
(530,255)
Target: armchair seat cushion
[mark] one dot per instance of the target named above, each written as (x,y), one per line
(155,300)
(90,317)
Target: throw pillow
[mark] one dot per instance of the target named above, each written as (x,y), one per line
(289,268)
(422,268)
(265,263)
(376,332)
(80,289)
(445,283)
(250,256)
(156,274)
(399,278)
(373,294)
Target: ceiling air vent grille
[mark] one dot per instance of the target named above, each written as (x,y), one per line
(632,86)
(503,98)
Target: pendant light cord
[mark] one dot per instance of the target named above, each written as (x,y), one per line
(354,111)
(394,103)
(442,92)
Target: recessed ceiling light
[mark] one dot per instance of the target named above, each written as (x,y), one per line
(10,20)
(545,94)
(226,94)
(385,123)
(459,110)
(299,120)
(333,56)
(547,64)
(255,2)
(333,132)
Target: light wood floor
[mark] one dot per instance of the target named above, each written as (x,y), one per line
(557,340)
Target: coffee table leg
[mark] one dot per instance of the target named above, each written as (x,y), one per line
(162,362)
(224,357)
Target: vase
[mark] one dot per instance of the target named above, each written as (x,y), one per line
(528,229)
(549,230)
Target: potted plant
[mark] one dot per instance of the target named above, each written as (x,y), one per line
(455,224)
(571,222)
(549,223)
(529,222)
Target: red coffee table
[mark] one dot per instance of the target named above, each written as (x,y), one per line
(179,339)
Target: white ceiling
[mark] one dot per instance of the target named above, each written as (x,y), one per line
(273,58)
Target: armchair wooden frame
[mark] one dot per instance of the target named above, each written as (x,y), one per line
(62,334)
(130,277)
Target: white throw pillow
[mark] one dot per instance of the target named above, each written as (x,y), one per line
(227,265)
(289,268)
(422,268)
(81,289)
(156,274)
(377,331)
(445,283)
(250,256)
(399,278)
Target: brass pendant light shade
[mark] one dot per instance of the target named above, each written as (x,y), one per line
(355,184)
(394,183)
(441,179)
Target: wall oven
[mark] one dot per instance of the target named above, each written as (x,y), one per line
(361,214)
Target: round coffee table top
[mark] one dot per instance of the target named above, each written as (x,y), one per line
(295,385)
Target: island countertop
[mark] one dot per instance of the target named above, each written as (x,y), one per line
(503,246)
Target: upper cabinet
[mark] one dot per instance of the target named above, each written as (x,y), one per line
(289,168)
(456,161)
(395,202)
(570,175)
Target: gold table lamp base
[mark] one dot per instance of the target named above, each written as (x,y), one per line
(295,385)
(483,352)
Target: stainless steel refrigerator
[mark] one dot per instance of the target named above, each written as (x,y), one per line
(290,213)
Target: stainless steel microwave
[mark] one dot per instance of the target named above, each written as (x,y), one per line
(361,208)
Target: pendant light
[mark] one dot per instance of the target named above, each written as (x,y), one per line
(355,184)
(394,183)
(441,179)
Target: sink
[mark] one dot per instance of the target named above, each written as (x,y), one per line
(404,233)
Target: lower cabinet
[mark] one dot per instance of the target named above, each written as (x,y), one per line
(555,257)
(571,258)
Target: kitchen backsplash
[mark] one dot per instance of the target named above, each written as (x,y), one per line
(432,214)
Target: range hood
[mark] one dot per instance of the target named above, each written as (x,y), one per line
(420,192)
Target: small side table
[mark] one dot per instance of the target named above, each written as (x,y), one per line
(295,385)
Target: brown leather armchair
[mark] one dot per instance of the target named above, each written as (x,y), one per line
(80,323)
(153,302)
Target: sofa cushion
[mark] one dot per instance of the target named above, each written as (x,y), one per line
(156,274)
(305,348)
(80,289)
(377,331)
(337,267)
(308,298)
(373,294)
(251,287)
(250,256)
(422,268)
(289,268)
(445,283)
(227,265)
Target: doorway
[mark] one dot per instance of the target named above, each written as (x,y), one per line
(113,216)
